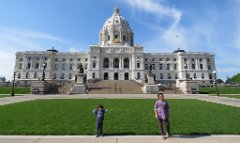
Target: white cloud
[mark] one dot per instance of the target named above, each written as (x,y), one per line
(14,40)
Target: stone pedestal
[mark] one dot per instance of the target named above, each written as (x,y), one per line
(40,87)
(188,86)
(80,85)
(150,87)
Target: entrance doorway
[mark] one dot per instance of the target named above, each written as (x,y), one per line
(126,77)
(105,77)
(115,76)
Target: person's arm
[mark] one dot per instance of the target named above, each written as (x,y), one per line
(155,110)
(94,111)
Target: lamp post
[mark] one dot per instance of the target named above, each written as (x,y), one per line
(215,82)
(185,68)
(13,84)
(43,73)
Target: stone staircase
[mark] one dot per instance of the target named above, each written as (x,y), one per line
(115,87)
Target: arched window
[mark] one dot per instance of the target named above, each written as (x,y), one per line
(138,75)
(210,76)
(116,63)
(19,75)
(55,76)
(195,76)
(176,76)
(105,76)
(202,75)
(27,75)
(35,75)
(161,76)
(93,75)
(105,63)
(126,63)
(70,76)
(126,76)
(169,76)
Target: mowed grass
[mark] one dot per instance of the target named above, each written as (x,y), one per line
(18,90)
(222,90)
(125,117)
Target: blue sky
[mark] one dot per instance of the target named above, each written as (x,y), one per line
(73,25)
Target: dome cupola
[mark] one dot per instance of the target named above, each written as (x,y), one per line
(116,31)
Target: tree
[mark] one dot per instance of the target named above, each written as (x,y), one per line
(234,79)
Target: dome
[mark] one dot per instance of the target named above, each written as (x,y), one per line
(116,31)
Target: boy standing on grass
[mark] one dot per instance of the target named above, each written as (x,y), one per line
(100,111)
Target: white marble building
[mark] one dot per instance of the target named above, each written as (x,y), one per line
(116,58)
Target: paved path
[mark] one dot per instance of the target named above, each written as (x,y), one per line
(121,139)
(213,99)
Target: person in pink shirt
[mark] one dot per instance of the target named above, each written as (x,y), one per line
(161,110)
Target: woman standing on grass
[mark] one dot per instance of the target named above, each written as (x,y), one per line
(162,114)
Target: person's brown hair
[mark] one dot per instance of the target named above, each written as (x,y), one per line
(160,94)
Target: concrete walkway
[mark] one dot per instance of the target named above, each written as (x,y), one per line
(214,99)
(121,139)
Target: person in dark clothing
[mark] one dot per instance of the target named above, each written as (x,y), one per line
(100,111)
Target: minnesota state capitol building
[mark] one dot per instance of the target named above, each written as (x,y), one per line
(116,57)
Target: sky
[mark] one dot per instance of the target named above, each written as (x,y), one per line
(158,25)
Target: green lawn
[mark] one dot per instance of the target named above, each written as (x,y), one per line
(19,90)
(125,116)
(222,90)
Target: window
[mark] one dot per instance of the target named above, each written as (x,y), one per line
(202,75)
(138,75)
(79,59)
(35,75)
(37,58)
(124,38)
(169,76)
(195,76)
(200,59)
(210,76)
(201,66)
(63,66)
(20,66)
(167,59)
(153,59)
(116,36)
(62,76)
(71,59)
(138,65)
(94,65)
(146,66)
(37,66)
(146,59)
(209,67)
(160,59)
(29,58)
(161,76)
(193,66)
(55,76)
(86,65)
(19,75)
(27,75)
(105,63)
(70,76)
(86,59)
(168,66)
(71,67)
(208,60)
(153,66)
(45,58)
(175,66)
(56,59)
(108,38)
(64,60)
(21,59)
(56,67)
(160,66)
(93,75)
(28,65)
(116,63)
(193,60)
(126,63)
(174,59)
(176,76)
(185,59)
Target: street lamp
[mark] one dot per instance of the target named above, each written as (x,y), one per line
(215,82)
(13,84)
(43,73)
(185,68)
